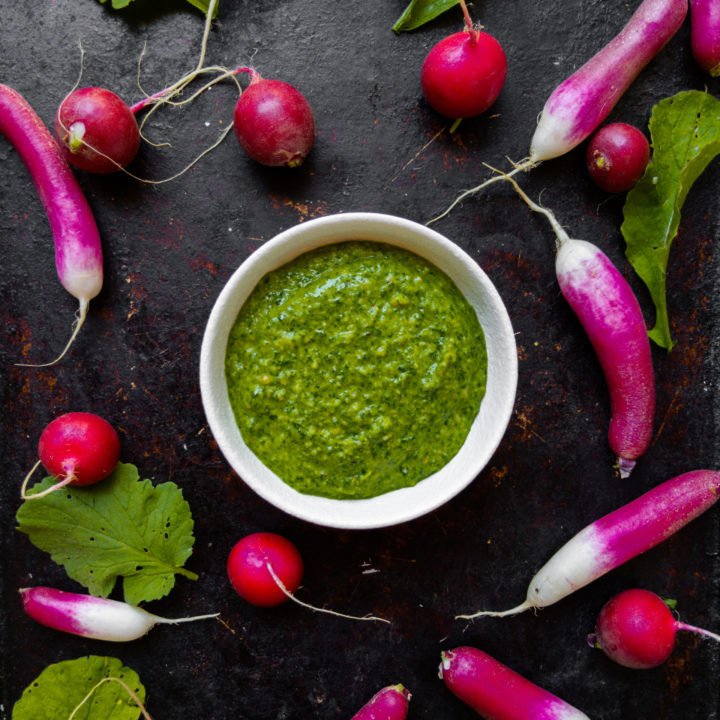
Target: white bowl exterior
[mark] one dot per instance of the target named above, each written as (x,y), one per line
(487,429)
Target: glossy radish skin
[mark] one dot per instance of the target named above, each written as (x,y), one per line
(274,123)
(611,315)
(80,447)
(390,703)
(464,73)
(705,34)
(618,537)
(496,692)
(92,617)
(580,103)
(97,130)
(248,571)
(78,254)
(637,629)
(617,156)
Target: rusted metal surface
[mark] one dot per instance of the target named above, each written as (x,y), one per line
(170,247)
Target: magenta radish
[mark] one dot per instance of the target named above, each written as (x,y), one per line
(496,692)
(618,537)
(390,703)
(78,253)
(617,156)
(611,315)
(77,448)
(705,34)
(97,130)
(636,628)
(463,74)
(274,123)
(93,617)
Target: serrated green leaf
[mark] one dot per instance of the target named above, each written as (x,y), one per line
(685,133)
(419,12)
(123,527)
(62,686)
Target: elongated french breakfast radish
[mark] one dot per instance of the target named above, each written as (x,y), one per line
(497,692)
(78,254)
(93,617)
(618,537)
(705,34)
(611,315)
(390,703)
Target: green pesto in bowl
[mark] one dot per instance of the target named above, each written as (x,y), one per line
(355,369)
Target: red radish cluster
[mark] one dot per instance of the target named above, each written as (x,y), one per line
(97,130)
(496,692)
(274,123)
(617,156)
(637,629)
(463,74)
(77,448)
(390,703)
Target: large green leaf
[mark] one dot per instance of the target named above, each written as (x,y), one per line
(419,12)
(685,132)
(61,688)
(122,527)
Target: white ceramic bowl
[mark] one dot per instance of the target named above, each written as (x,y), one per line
(489,425)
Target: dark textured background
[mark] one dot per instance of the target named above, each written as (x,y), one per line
(168,250)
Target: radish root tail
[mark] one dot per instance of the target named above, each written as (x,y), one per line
(494,613)
(34,496)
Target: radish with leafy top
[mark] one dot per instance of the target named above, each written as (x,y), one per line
(390,703)
(636,628)
(78,253)
(618,537)
(93,617)
(497,692)
(705,34)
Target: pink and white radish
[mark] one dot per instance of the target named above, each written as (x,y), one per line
(78,448)
(611,315)
(705,34)
(617,156)
(390,703)
(93,617)
(496,692)
(618,537)
(463,74)
(78,253)
(636,628)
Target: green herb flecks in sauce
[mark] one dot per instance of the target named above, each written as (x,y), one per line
(356,369)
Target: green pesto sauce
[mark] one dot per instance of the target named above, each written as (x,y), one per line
(356,369)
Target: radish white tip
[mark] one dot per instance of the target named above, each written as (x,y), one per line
(625,467)
(496,613)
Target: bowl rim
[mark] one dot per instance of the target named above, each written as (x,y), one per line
(397,506)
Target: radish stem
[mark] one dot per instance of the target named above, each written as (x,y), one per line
(124,685)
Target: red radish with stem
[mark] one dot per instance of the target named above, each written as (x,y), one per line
(496,692)
(637,629)
(617,156)
(611,315)
(618,537)
(274,123)
(97,130)
(581,102)
(705,34)
(78,253)
(390,703)
(463,74)
(93,617)
(78,448)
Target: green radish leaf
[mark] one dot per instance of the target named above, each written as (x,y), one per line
(123,527)
(199,4)
(61,688)
(419,12)
(685,135)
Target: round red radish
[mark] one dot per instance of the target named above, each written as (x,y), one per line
(249,565)
(636,629)
(463,74)
(96,130)
(274,123)
(617,157)
(81,446)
